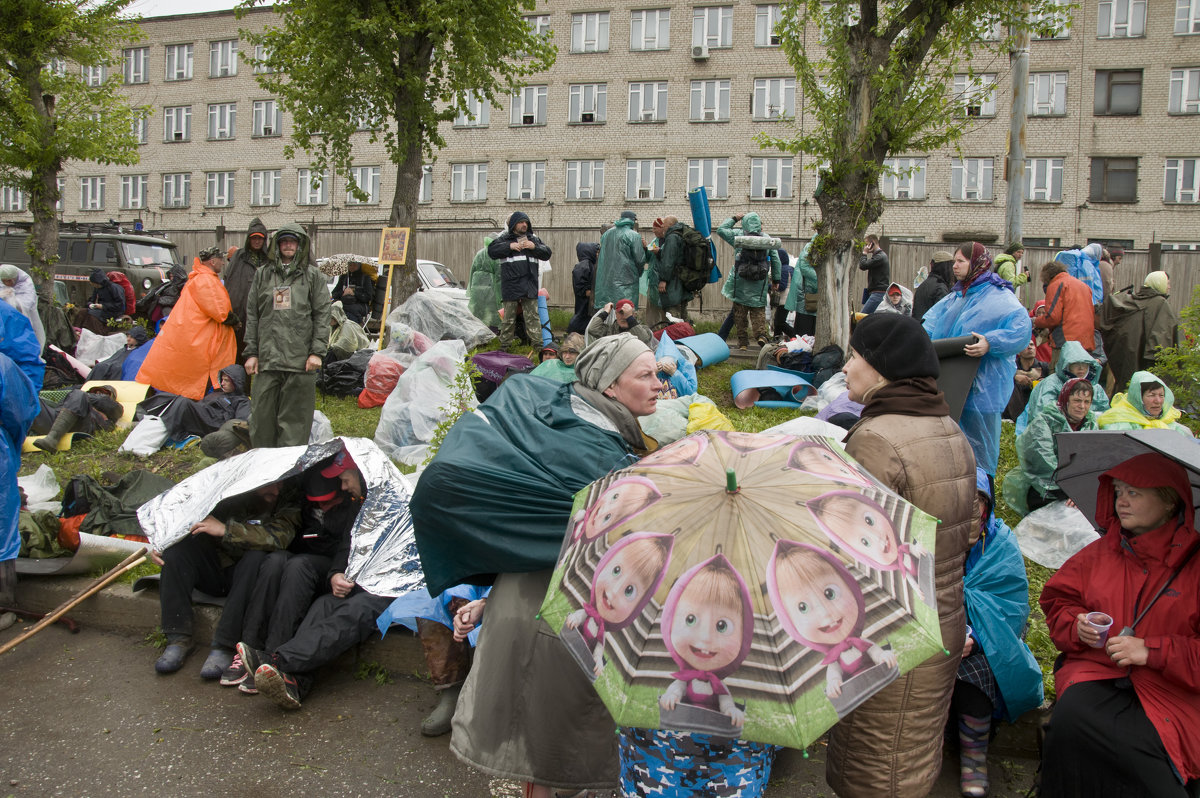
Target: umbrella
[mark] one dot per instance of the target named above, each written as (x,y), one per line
(383,553)
(752,586)
(335,265)
(1084,456)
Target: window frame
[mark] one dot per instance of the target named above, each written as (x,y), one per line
(1179,102)
(172,183)
(1187,17)
(656,169)
(171,56)
(373,177)
(93,76)
(425,189)
(1103,91)
(12,200)
(575,170)
(258,116)
(701,37)
(892,184)
(219,188)
(476,173)
(526,181)
(91,193)
(1180,166)
(1107,164)
(1063,15)
(662,25)
(311,187)
(126,200)
(766,18)
(1055,84)
(270,197)
(763,87)
(961,172)
(1132,8)
(223,56)
(1041,175)
(261,53)
(761,172)
(520,102)
(172,115)
(473,104)
(717,168)
(577,96)
(981,88)
(715,90)
(581,21)
(658,111)
(222,121)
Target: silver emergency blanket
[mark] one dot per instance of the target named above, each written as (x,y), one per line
(383,552)
(442,314)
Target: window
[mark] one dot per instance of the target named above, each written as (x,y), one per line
(267,118)
(141,127)
(1178,246)
(646,179)
(903,179)
(713,26)
(1118,92)
(539,25)
(1187,16)
(1182,182)
(222,119)
(310,187)
(473,111)
(57,66)
(529,106)
(1057,20)
(765,20)
(1047,94)
(1043,179)
(179,62)
(91,193)
(650,30)
(12,200)
(218,192)
(588,103)
(222,59)
(261,54)
(712,173)
(1121,19)
(527,180)
(648,102)
(425,192)
(710,101)
(589,32)
(61,185)
(977,94)
(1114,180)
(177,190)
(177,123)
(770,178)
(1185,91)
(971,180)
(133,191)
(994,33)
(585,180)
(93,75)
(774,98)
(264,187)
(367,180)
(468,182)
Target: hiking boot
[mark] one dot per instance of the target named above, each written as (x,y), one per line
(235,674)
(189,442)
(64,422)
(218,660)
(278,686)
(7,619)
(173,656)
(247,686)
(439,721)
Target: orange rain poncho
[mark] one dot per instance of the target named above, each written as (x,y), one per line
(194,344)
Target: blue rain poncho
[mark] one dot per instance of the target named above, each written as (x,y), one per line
(1083,266)
(990,309)
(18,407)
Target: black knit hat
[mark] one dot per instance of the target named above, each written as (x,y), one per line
(896,346)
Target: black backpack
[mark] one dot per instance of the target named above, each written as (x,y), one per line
(752,264)
(697,264)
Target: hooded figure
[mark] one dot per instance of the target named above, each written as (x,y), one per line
(240,271)
(520,253)
(803,287)
(347,336)
(483,286)
(583,280)
(197,340)
(1135,325)
(184,418)
(1068,314)
(1133,410)
(902,304)
(112,367)
(1045,393)
(749,297)
(935,286)
(108,299)
(619,263)
(665,287)
(356,291)
(18,290)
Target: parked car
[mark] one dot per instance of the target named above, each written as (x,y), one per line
(434,277)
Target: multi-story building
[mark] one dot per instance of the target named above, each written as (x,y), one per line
(644,103)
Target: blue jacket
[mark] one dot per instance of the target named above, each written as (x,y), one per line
(18,406)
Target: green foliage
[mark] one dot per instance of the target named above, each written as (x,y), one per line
(155,638)
(373,671)
(1179,365)
(462,400)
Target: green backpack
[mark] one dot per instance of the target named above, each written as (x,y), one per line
(697,260)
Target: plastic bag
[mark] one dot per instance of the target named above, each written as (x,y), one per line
(418,403)
(383,371)
(146,438)
(705,415)
(442,315)
(1051,534)
(40,489)
(668,422)
(829,390)
(93,348)
(322,429)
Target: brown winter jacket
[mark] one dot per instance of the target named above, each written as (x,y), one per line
(892,744)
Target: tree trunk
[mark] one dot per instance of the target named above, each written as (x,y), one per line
(405,280)
(43,193)
(836,304)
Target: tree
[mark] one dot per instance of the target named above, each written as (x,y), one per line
(876,84)
(49,114)
(396,67)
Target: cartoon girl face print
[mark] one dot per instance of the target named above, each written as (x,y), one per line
(814,458)
(624,582)
(707,637)
(621,501)
(686,452)
(818,600)
(858,524)
(746,442)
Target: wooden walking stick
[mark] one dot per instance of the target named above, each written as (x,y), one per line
(129,563)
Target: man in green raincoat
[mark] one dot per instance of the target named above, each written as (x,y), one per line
(665,289)
(749,297)
(619,267)
(483,286)
(802,294)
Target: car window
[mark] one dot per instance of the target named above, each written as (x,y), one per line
(104,252)
(139,253)
(78,251)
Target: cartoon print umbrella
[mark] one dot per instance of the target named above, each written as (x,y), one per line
(745,585)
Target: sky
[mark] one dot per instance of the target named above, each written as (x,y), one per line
(162,8)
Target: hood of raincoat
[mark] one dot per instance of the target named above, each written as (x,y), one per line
(301,252)
(587,250)
(238,375)
(1073,352)
(337,313)
(751,223)
(98,277)
(943,271)
(518,217)
(1144,471)
(1134,396)
(624,222)
(256,226)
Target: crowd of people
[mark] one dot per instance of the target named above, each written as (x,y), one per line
(519,707)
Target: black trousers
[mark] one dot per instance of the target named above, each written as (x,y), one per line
(285,587)
(332,626)
(195,562)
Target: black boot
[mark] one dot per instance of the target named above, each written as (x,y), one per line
(8,592)
(64,422)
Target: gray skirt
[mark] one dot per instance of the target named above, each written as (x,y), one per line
(527,711)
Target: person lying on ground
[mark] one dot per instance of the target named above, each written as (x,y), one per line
(221,557)
(82,411)
(110,367)
(187,418)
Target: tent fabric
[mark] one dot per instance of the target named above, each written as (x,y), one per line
(498,495)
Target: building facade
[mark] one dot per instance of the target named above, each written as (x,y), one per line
(644,103)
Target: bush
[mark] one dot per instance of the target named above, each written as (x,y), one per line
(1179,365)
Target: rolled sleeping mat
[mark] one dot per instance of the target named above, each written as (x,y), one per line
(709,348)
(757,242)
(701,218)
(748,384)
(544,318)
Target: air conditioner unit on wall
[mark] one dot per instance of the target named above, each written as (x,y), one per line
(643,193)
(527,119)
(710,116)
(267,131)
(700,52)
(587,116)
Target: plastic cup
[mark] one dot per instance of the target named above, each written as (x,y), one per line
(1101,622)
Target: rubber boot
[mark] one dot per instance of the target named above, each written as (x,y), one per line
(64,422)
(438,722)
(8,592)
(973,741)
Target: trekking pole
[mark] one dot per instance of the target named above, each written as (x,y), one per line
(128,564)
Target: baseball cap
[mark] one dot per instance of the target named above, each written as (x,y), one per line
(319,488)
(212,252)
(341,462)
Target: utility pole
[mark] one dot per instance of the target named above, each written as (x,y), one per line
(1014,208)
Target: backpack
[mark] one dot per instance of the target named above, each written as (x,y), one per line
(697,262)
(752,264)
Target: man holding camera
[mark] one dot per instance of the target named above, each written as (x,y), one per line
(874,261)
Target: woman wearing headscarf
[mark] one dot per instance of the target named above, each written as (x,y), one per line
(982,305)
(1032,484)
(18,290)
(1148,404)
(908,441)
(1136,325)
(1127,719)
(527,711)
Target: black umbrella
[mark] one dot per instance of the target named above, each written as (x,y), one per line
(1084,456)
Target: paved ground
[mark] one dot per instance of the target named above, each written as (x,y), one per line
(85,715)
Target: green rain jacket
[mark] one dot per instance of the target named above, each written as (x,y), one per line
(804,281)
(751,293)
(483,287)
(1038,456)
(664,267)
(1006,267)
(287,311)
(1128,412)
(1045,393)
(619,265)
